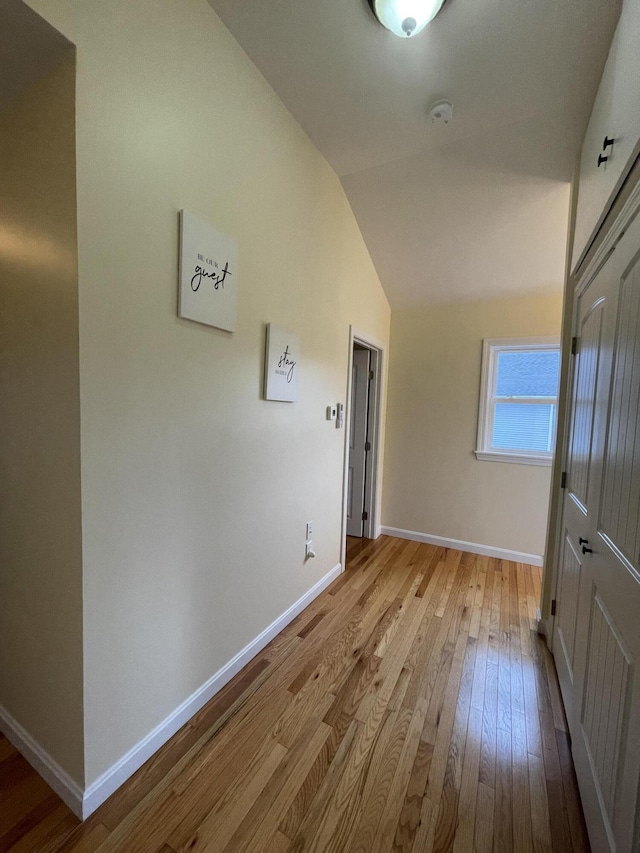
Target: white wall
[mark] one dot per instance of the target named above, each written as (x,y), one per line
(433,483)
(195,491)
(40,526)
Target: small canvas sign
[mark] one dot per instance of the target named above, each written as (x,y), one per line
(208,274)
(281,364)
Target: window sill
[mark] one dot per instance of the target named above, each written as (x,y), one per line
(518,458)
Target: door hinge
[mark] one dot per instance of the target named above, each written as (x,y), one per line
(563,481)
(365,515)
(553,607)
(575,342)
(370,375)
(367,446)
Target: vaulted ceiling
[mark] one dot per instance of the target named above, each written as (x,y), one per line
(477,208)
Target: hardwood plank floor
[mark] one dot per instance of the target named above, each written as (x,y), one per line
(411,707)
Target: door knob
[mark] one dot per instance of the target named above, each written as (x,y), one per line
(608,143)
(601,159)
(587,550)
(582,541)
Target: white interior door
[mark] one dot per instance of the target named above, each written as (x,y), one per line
(597,628)
(591,378)
(358,441)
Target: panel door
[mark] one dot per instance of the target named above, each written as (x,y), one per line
(591,379)
(606,742)
(597,631)
(616,116)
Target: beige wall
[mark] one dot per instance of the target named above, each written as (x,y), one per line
(433,482)
(40,529)
(195,491)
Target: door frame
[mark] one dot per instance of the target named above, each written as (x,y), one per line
(371,527)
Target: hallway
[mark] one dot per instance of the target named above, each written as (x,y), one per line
(411,707)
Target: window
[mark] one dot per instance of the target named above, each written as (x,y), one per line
(519,400)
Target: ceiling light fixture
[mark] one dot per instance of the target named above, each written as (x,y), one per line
(405,18)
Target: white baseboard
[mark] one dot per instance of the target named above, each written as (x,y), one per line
(542,624)
(115,776)
(64,786)
(459,545)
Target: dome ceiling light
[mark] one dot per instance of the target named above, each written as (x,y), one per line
(405,18)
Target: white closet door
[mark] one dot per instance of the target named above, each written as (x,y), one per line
(598,619)
(591,378)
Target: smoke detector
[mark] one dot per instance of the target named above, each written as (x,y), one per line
(441,113)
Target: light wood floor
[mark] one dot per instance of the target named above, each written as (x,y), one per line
(411,707)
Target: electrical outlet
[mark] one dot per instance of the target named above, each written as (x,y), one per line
(309,531)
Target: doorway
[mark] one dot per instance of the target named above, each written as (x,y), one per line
(362,436)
